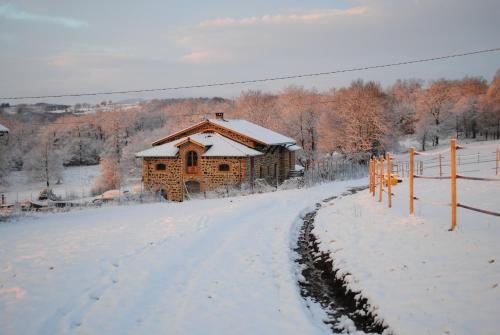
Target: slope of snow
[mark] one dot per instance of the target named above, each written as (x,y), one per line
(221,266)
(421,278)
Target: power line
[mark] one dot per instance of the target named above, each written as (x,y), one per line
(241,82)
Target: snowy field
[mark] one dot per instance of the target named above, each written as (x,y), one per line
(419,277)
(76,182)
(220,266)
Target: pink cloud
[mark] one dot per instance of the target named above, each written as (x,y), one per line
(312,16)
(205,57)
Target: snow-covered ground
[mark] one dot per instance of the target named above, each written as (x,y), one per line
(220,266)
(419,277)
(76,182)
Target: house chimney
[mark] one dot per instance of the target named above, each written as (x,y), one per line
(219,116)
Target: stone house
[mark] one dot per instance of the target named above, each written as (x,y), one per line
(215,153)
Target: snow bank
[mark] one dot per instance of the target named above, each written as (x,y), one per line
(419,277)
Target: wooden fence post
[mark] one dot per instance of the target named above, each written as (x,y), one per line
(381,179)
(440,169)
(412,153)
(371,175)
(453,148)
(389,170)
(498,159)
(374,171)
(374,180)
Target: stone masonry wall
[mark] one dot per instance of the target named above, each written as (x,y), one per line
(215,179)
(167,180)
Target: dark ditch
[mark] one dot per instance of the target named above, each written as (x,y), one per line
(322,285)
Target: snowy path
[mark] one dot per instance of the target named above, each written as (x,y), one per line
(201,267)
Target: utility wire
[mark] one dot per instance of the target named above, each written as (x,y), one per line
(241,82)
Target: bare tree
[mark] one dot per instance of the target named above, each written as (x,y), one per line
(358,120)
(45,161)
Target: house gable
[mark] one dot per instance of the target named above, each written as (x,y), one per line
(189,140)
(207,126)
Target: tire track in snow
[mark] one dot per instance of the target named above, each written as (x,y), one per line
(189,267)
(69,317)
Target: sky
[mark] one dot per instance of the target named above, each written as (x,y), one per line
(62,47)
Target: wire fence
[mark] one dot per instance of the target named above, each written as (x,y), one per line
(415,170)
(335,168)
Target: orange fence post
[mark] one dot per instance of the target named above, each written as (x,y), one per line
(381,179)
(453,148)
(440,169)
(374,176)
(412,153)
(498,159)
(389,198)
(371,175)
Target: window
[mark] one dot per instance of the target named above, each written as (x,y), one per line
(224,167)
(192,158)
(161,167)
(191,162)
(261,173)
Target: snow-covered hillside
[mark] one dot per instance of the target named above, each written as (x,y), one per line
(221,266)
(419,277)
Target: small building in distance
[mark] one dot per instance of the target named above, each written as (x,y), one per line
(215,153)
(3,130)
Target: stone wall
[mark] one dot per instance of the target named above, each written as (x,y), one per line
(215,179)
(265,166)
(167,181)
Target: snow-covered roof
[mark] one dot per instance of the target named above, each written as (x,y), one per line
(243,127)
(3,129)
(253,131)
(216,144)
(293,147)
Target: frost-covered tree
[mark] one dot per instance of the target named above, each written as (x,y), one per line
(300,110)
(490,114)
(45,160)
(434,106)
(109,177)
(358,120)
(403,104)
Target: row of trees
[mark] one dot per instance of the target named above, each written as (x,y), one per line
(354,121)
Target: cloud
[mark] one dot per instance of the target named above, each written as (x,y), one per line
(205,57)
(313,16)
(10,12)
(92,57)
